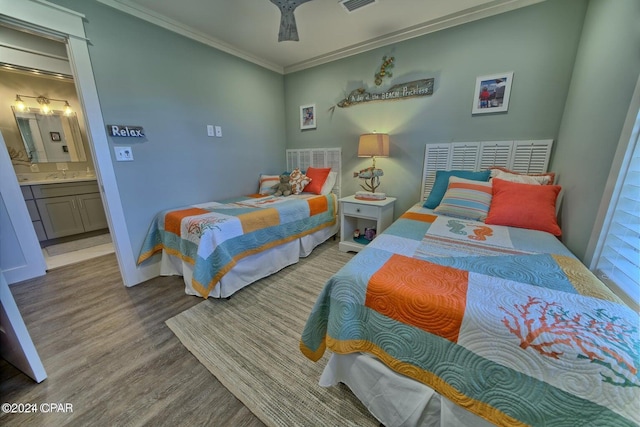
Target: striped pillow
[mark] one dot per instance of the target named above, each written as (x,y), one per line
(267,182)
(465,198)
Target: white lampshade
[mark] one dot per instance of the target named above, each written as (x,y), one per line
(373,145)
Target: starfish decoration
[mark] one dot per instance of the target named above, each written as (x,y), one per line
(288,29)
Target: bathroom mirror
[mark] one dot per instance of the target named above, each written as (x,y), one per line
(53,137)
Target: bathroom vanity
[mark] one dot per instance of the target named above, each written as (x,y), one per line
(63,207)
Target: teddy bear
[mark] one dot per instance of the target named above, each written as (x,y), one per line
(283,188)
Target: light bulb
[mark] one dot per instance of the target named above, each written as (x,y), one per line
(67,109)
(20,104)
(45,109)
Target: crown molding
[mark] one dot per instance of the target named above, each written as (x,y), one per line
(470,15)
(445,22)
(171,25)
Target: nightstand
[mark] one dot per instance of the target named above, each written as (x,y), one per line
(361,214)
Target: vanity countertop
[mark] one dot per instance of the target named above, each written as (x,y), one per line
(53,178)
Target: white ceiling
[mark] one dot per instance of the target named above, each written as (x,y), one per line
(249,28)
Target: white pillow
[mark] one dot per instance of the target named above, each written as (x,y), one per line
(521,178)
(298,181)
(329,183)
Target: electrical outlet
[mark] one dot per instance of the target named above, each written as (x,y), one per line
(219,131)
(123,154)
(209,130)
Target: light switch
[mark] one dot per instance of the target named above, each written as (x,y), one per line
(219,131)
(123,154)
(209,130)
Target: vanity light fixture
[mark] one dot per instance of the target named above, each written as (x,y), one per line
(20,104)
(44,102)
(67,109)
(44,105)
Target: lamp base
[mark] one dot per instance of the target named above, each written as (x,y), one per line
(366,195)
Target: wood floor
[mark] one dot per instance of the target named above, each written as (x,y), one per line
(108,352)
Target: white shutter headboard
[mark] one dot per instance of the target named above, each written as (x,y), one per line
(530,156)
(317,158)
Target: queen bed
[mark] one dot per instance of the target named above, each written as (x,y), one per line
(469,311)
(220,247)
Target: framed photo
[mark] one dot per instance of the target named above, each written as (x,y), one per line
(308,116)
(491,94)
(55,136)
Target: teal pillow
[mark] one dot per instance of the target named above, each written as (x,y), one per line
(442,182)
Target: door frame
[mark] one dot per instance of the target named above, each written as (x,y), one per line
(42,17)
(33,263)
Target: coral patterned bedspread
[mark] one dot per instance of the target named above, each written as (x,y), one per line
(505,322)
(214,236)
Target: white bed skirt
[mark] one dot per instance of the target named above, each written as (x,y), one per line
(394,399)
(251,268)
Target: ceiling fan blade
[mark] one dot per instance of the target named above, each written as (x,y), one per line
(288,30)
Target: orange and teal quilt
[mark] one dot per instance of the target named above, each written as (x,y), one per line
(214,236)
(504,322)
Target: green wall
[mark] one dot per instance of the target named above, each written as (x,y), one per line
(541,57)
(174,87)
(604,78)
(539,43)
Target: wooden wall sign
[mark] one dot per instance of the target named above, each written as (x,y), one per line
(125,131)
(407,90)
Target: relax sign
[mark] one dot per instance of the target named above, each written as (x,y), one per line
(122,130)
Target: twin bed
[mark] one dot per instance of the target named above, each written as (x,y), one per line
(221,247)
(466,311)
(443,320)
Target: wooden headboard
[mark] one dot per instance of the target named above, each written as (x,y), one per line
(530,156)
(318,158)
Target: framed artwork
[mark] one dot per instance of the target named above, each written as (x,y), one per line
(55,136)
(491,94)
(308,116)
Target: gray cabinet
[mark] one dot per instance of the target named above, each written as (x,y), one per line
(64,209)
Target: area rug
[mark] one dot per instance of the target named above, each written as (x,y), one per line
(77,245)
(250,343)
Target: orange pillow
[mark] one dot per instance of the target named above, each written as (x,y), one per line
(318,177)
(524,205)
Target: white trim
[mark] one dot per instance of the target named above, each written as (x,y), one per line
(630,132)
(87,93)
(17,347)
(484,11)
(34,263)
(412,32)
(31,60)
(41,15)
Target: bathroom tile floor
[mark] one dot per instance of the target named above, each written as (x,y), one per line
(76,256)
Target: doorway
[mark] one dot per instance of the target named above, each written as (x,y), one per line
(40,144)
(49,21)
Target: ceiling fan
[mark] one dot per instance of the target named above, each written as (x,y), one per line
(289,31)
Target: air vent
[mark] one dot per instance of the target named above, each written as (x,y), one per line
(352,5)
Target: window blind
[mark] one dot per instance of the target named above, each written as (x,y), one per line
(619,260)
